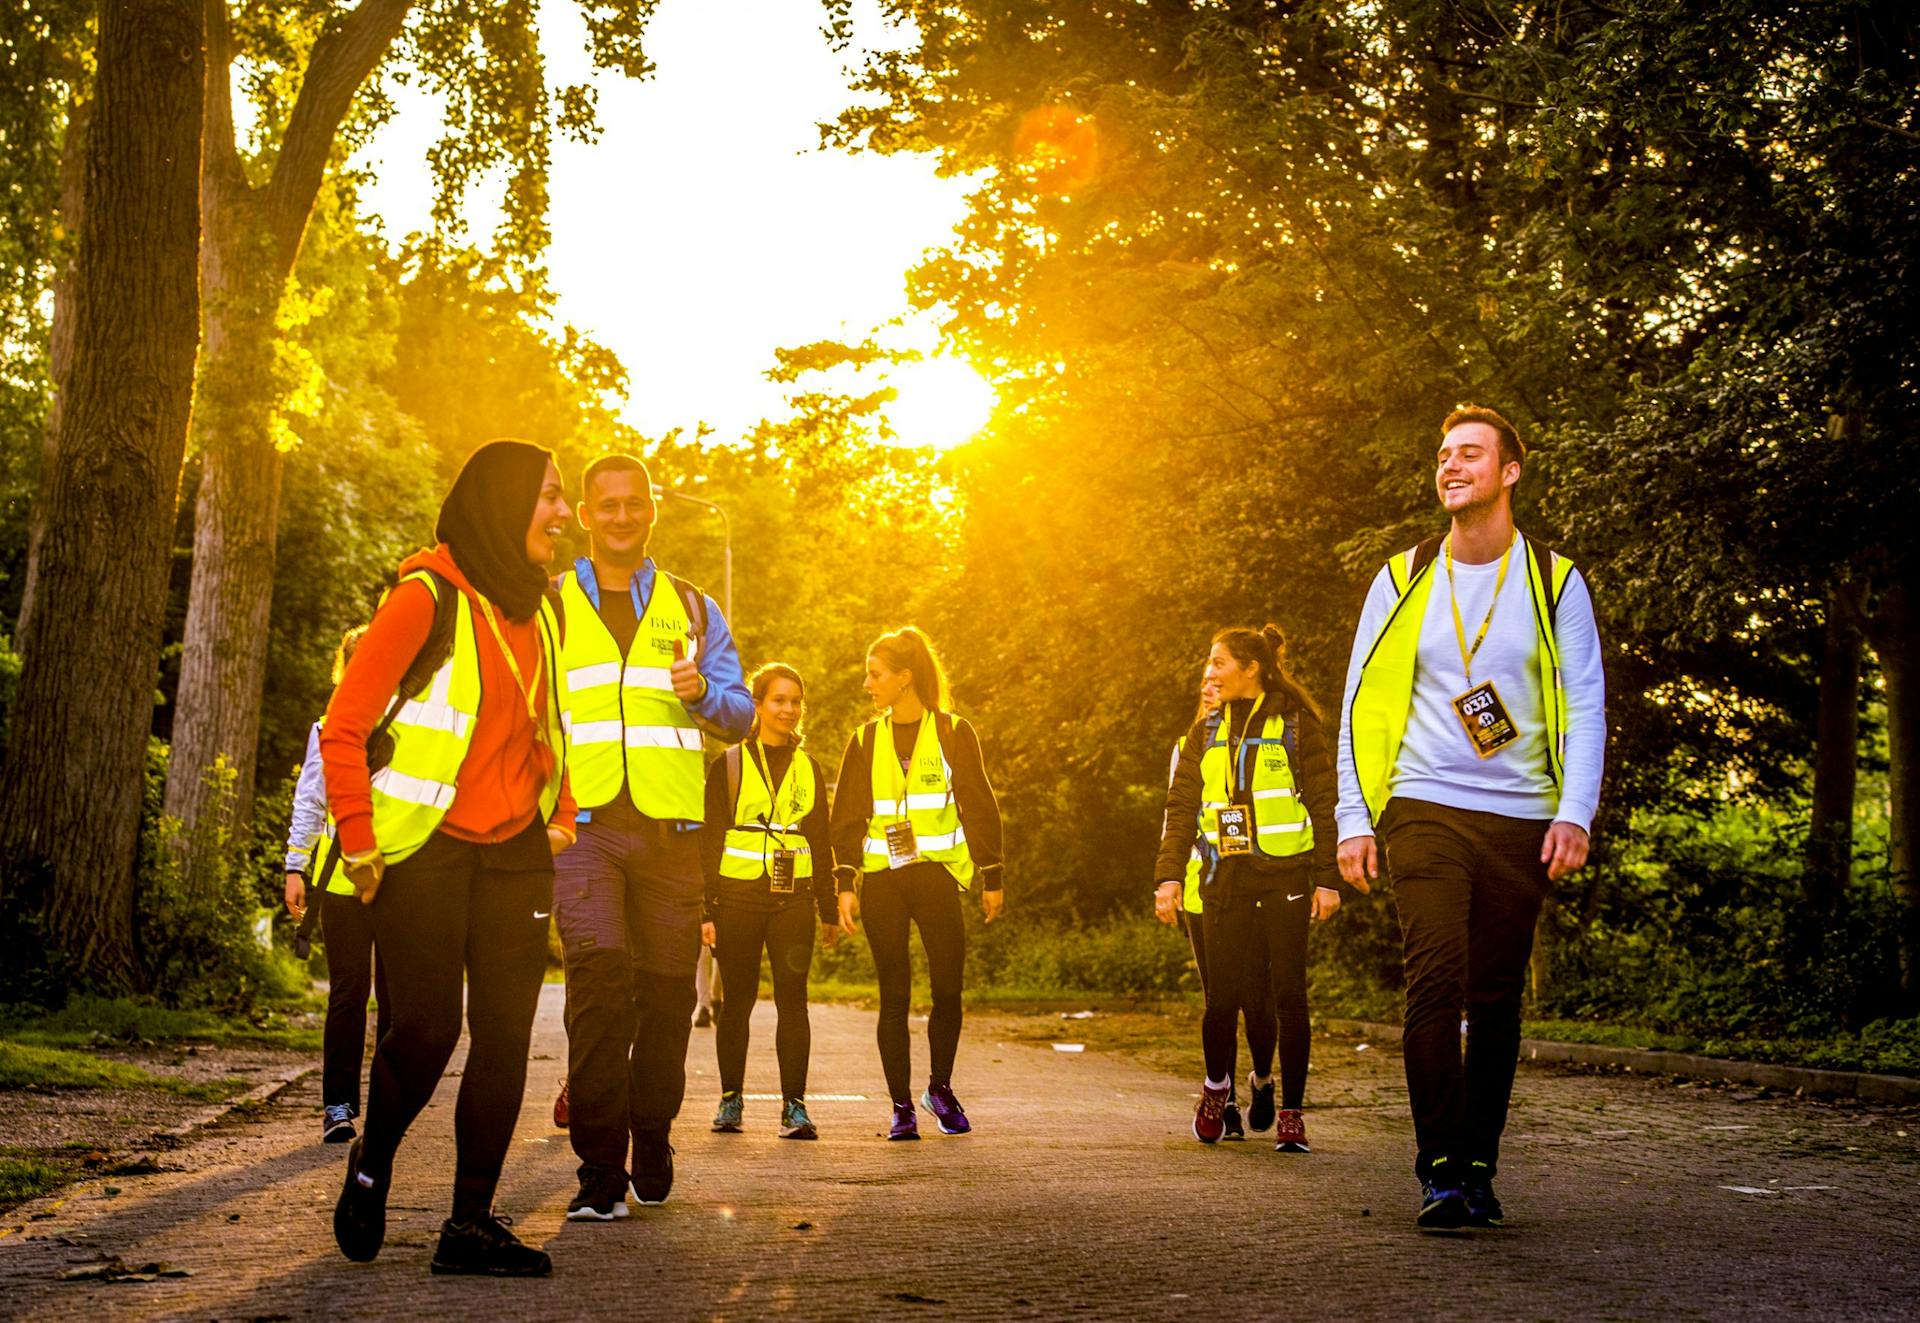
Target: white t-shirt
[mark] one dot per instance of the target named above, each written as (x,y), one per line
(1437,761)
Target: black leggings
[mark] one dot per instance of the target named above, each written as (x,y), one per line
(458,908)
(1257,1003)
(351,973)
(786,935)
(925,894)
(1276,927)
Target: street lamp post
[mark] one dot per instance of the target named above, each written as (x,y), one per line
(726,535)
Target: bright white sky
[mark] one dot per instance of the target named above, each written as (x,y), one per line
(705,228)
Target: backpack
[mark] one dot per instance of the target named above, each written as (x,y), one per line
(420,671)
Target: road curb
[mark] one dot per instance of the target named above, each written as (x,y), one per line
(259,1093)
(1897,1089)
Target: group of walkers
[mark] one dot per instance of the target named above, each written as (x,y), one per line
(1477,764)
(505,752)
(503,748)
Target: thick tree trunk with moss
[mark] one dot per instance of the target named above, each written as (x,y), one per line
(223,664)
(70,796)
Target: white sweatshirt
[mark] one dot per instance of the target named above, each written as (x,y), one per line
(1437,763)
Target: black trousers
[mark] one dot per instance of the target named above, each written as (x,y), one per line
(457,918)
(924,894)
(1468,888)
(351,973)
(1257,1008)
(1246,931)
(786,935)
(627,901)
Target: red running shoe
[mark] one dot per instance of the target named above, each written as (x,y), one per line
(1209,1118)
(1290,1131)
(562,1112)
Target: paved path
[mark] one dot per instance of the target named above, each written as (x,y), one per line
(1082,1194)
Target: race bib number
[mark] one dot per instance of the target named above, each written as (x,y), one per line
(1484,717)
(780,873)
(1236,832)
(902,847)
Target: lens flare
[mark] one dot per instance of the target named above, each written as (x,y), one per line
(1058,149)
(938,402)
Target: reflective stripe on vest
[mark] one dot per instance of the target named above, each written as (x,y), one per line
(431,734)
(924,797)
(1383,697)
(626,725)
(1281,827)
(760,826)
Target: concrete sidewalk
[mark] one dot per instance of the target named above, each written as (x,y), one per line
(1081,1193)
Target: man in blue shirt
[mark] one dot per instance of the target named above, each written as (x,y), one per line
(651,667)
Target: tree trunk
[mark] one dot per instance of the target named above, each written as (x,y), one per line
(223,663)
(72,211)
(1829,862)
(253,237)
(70,796)
(1895,635)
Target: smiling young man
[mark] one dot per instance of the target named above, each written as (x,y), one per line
(1473,743)
(651,666)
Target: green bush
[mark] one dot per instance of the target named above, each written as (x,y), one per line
(194,925)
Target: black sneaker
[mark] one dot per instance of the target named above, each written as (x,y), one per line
(652,1166)
(602,1197)
(1483,1205)
(1443,1205)
(1230,1123)
(336,1124)
(360,1215)
(1260,1110)
(485,1248)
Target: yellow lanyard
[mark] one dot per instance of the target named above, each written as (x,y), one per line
(527,692)
(1459,628)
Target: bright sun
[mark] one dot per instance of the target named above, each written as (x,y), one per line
(940,402)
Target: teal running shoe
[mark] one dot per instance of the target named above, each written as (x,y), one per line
(794,1121)
(726,1117)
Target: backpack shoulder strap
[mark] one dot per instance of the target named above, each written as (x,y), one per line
(694,603)
(1545,560)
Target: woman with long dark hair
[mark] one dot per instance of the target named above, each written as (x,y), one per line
(445,763)
(1258,785)
(1256,1006)
(769,869)
(914,808)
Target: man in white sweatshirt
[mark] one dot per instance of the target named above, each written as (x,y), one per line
(1471,749)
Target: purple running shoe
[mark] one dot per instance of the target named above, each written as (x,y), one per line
(905,1124)
(939,1100)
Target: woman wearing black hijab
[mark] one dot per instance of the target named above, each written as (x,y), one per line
(450,804)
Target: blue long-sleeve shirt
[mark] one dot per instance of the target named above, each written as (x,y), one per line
(309,807)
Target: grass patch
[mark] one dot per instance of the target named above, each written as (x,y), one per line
(93,1021)
(27,1066)
(22,1179)
(1890,1047)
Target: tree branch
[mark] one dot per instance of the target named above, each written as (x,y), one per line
(220,163)
(344,56)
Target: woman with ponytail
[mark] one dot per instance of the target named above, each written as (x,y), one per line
(445,763)
(769,870)
(1257,785)
(916,824)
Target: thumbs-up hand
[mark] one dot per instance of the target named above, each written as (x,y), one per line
(688,684)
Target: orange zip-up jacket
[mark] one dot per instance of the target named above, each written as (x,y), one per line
(497,793)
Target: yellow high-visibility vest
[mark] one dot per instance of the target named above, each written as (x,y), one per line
(1281,825)
(1383,699)
(432,732)
(923,795)
(625,723)
(764,822)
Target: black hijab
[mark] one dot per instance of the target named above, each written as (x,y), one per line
(484,523)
